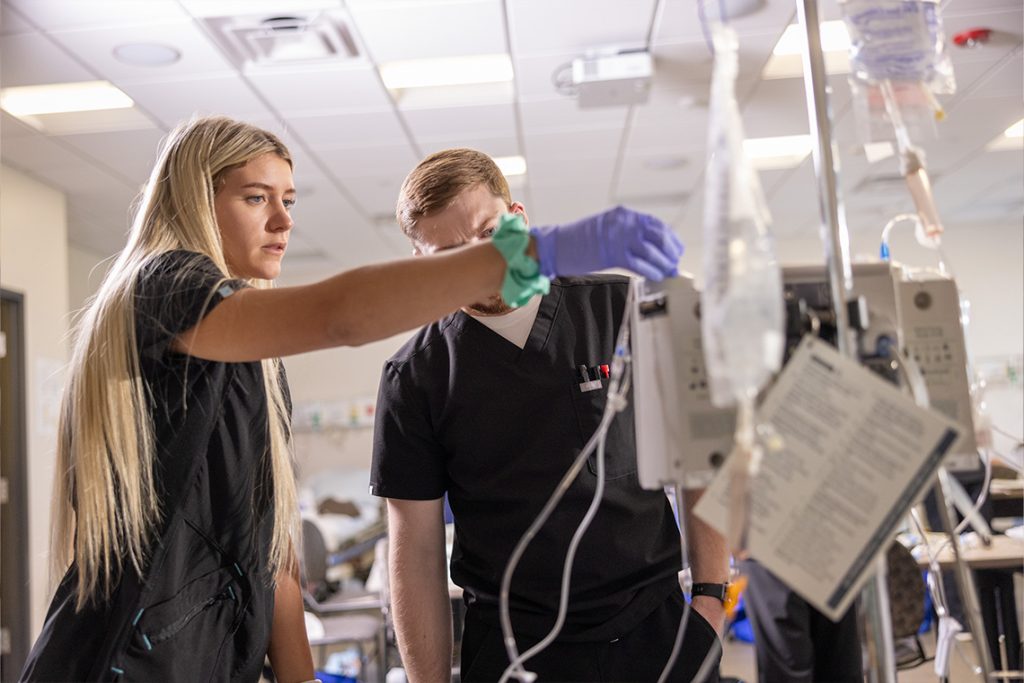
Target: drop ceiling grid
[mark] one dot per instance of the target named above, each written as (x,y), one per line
(554,133)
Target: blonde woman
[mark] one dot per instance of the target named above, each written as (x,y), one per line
(175,520)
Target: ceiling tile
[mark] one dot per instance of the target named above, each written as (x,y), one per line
(688,65)
(307,91)
(11,22)
(658,176)
(572,172)
(95,47)
(778,107)
(131,153)
(455,123)
(1005,79)
(37,152)
(955,8)
(553,115)
(396,30)
(359,162)
(173,101)
(680,20)
(11,127)
(542,26)
(503,146)
(535,73)
(79,177)
(350,129)
(669,130)
(32,59)
(60,14)
(596,143)
(559,204)
(410,99)
(375,194)
(989,175)
(969,126)
(1007,25)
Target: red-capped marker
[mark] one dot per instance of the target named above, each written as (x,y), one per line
(605,372)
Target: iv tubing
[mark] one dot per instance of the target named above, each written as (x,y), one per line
(615,403)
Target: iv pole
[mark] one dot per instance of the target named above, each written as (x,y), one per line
(875,624)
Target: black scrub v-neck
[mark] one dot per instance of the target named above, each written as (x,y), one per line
(462,410)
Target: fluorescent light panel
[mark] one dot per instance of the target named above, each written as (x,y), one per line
(58,98)
(834,38)
(787,61)
(511,166)
(427,73)
(877,151)
(1012,139)
(784,151)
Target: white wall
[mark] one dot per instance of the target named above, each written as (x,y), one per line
(34,263)
(85,274)
(337,375)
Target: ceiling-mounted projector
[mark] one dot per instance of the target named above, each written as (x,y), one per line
(612,79)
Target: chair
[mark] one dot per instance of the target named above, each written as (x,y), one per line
(906,602)
(355,618)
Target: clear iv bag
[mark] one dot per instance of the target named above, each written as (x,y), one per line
(742,310)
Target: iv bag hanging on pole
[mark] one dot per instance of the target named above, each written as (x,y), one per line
(742,310)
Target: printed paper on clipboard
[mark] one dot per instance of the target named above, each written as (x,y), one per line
(856,454)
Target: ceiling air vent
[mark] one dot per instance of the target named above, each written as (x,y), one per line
(258,41)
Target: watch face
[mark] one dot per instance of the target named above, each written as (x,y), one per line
(714,590)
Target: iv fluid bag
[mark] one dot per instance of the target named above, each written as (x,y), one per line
(742,310)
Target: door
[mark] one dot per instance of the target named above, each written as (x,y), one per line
(14,582)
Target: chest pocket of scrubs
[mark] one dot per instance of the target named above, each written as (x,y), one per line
(620,446)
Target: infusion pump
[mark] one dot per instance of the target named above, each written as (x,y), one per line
(915,311)
(681,437)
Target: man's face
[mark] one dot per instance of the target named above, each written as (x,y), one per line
(473,216)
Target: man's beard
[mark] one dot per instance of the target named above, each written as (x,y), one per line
(492,306)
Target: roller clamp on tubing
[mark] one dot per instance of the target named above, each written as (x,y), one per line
(523,278)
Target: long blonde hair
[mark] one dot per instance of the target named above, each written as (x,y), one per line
(106,507)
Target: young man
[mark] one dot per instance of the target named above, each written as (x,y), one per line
(490,406)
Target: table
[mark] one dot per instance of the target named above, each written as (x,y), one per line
(1004,553)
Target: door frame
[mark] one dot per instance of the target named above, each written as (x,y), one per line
(16,588)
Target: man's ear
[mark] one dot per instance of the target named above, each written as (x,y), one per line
(520,210)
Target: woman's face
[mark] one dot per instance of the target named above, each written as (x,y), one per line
(253,208)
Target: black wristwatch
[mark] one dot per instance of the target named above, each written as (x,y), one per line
(714,590)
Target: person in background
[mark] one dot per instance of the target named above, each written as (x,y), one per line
(491,405)
(794,642)
(176,515)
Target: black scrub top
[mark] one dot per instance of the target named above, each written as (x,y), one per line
(464,411)
(203,610)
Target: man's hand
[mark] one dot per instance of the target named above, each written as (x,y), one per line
(617,238)
(712,610)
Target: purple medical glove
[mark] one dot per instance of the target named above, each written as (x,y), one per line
(617,238)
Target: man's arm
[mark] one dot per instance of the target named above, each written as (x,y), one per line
(709,560)
(419,588)
(289,652)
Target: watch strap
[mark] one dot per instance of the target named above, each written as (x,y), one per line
(713,590)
